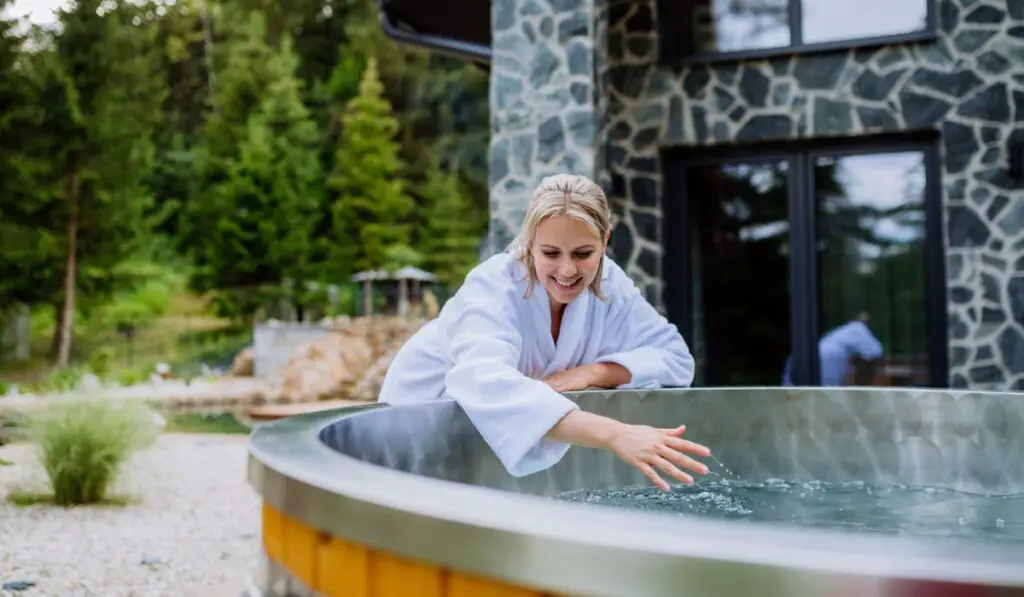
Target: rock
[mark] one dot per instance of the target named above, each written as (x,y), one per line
(243,365)
(325,369)
(8,428)
(90,383)
(148,560)
(368,386)
(349,363)
(430,304)
(17,585)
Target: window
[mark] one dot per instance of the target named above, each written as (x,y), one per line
(705,29)
(871,230)
(774,257)
(740,271)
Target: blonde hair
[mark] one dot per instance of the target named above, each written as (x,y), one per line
(562,195)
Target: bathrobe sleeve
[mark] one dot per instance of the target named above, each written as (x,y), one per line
(510,410)
(643,341)
(863,342)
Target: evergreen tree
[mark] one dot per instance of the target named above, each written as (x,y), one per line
(452,228)
(98,81)
(371,205)
(259,211)
(21,260)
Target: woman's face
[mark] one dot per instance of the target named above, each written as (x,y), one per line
(566,254)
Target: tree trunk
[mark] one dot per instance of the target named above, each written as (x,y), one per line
(66,320)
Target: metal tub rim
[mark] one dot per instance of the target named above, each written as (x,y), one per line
(558,546)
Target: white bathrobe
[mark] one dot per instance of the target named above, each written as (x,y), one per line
(490,348)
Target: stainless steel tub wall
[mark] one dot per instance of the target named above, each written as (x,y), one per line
(342,509)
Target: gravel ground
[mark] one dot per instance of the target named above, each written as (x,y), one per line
(193,529)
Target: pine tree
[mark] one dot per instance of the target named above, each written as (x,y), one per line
(371,205)
(451,230)
(254,221)
(22,261)
(98,78)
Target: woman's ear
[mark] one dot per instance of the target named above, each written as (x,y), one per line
(607,237)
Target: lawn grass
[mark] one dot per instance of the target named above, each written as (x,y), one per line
(185,333)
(223,423)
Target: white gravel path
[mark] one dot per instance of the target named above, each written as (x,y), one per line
(194,531)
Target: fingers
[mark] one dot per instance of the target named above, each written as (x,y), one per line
(670,469)
(674,432)
(687,446)
(652,476)
(682,460)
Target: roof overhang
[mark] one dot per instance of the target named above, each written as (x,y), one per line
(457,28)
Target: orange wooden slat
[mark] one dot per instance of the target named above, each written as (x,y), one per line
(464,585)
(273,533)
(299,555)
(394,576)
(343,569)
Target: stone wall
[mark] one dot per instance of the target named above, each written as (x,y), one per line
(964,85)
(545,108)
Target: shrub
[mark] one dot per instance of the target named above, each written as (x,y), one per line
(84,443)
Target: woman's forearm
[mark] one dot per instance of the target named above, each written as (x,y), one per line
(609,375)
(582,428)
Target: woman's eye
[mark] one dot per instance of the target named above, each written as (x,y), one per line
(584,255)
(550,254)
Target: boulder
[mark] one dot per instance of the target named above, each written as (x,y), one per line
(350,363)
(243,365)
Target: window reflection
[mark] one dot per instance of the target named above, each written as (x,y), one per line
(740,280)
(738,25)
(733,25)
(871,230)
(838,20)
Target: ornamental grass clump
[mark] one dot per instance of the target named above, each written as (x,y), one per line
(83,444)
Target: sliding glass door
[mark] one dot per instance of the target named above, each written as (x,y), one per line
(738,252)
(808,265)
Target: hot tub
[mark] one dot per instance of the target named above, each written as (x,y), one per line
(406,501)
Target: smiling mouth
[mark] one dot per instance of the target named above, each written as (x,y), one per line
(567,286)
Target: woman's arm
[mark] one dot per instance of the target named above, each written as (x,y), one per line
(582,428)
(649,449)
(643,342)
(512,412)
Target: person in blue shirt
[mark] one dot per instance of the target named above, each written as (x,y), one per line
(836,349)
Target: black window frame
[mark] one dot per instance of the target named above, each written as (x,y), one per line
(677,232)
(671,16)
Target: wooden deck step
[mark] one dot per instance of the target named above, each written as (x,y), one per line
(270,412)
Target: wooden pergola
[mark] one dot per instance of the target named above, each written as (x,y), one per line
(408,278)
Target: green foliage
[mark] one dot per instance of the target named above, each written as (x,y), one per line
(452,229)
(254,224)
(371,205)
(83,445)
(222,423)
(244,150)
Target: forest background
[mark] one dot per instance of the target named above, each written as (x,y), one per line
(174,170)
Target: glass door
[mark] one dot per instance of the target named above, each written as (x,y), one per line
(872,283)
(739,237)
(808,265)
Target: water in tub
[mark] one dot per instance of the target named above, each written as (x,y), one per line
(853,506)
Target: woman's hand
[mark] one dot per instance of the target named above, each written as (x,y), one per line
(570,380)
(651,449)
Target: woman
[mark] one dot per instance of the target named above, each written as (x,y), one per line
(552,314)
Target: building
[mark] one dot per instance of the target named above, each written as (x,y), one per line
(778,166)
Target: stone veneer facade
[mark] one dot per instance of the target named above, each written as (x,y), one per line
(577,86)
